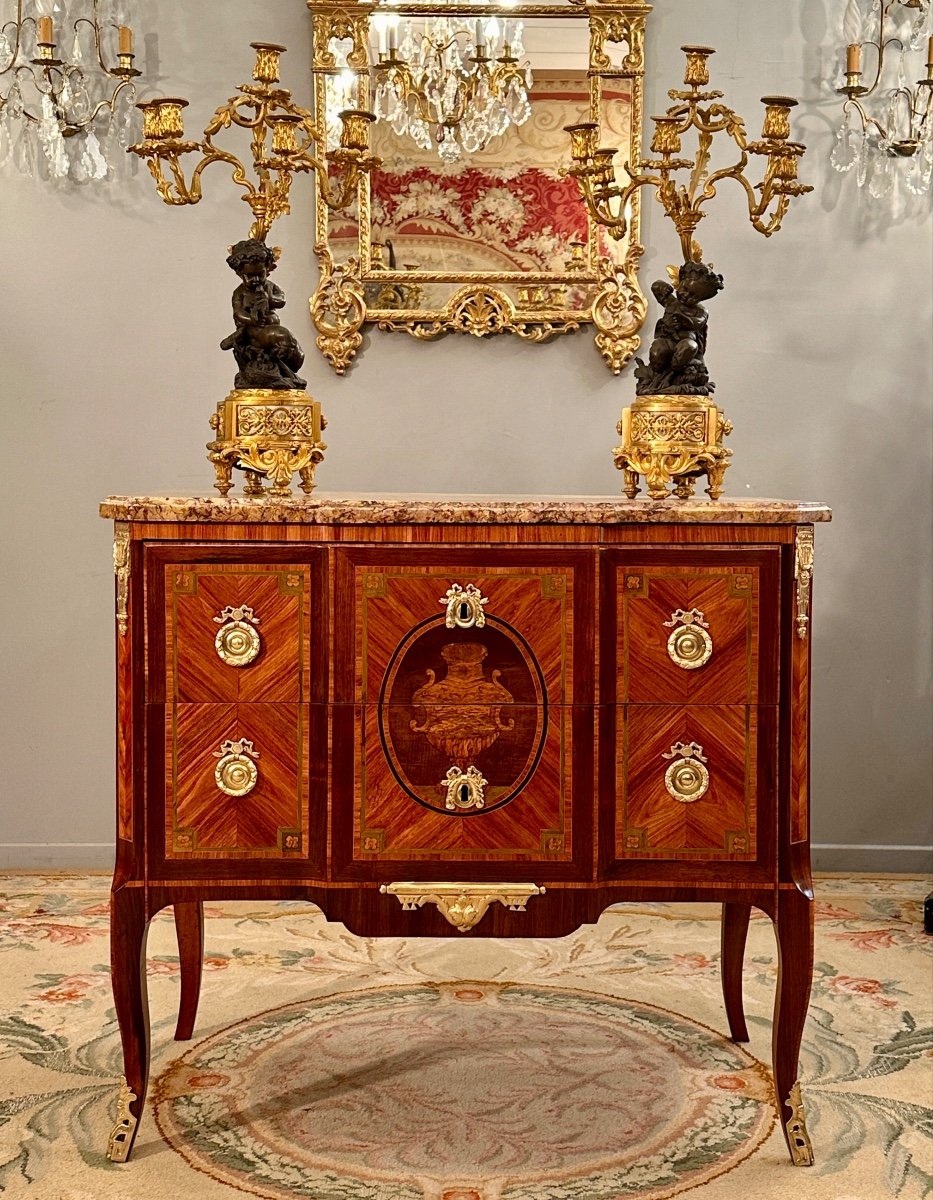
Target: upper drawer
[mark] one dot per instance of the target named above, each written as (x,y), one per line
(429,627)
(692,626)
(237,630)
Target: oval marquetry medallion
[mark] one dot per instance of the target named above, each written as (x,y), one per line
(470,701)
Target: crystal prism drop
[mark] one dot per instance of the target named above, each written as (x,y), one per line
(882,180)
(14,103)
(25,158)
(862,162)
(6,52)
(848,144)
(914,180)
(77,50)
(97,164)
(6,138)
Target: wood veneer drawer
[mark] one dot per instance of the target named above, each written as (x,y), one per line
(692,626)
(528,614)
(411,799)
(237,781)
(236,624)
(693,782)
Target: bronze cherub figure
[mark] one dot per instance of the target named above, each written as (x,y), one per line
(267,354)
(676,361)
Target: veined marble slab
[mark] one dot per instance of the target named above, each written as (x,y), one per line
(378,508)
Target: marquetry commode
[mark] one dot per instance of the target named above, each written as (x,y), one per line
(489,714)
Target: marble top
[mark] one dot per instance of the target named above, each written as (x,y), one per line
(383,508)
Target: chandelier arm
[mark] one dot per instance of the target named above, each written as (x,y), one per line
(867,120)
(18,26)
(98,48)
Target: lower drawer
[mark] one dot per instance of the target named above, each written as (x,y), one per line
(691,783)
(236,781)
(424,800)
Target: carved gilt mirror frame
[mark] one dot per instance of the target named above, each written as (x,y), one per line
(588,280)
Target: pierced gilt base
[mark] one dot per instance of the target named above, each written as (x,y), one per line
(670,441)
(270,436)
(124,1131)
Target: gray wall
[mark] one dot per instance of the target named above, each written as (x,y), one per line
(111,308)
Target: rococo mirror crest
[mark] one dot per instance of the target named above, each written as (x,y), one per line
(470,222)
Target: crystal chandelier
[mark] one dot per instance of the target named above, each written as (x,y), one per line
(455,83)
(901,128)
(66,87)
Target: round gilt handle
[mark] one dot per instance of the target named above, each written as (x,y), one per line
(237,642)
(686,779)
(690,645)
(236,774)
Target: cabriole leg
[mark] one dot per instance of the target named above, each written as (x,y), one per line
(735,919)
(794,931)
(189,927)
(129,928)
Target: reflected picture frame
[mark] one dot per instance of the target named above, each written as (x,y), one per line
(360,288)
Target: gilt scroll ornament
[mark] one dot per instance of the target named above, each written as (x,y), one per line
(463,904)
(121,566)
(803,575)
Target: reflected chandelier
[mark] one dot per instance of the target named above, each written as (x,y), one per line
(902,126)
(455,84)
(66,87)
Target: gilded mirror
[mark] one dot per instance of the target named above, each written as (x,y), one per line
(471,225)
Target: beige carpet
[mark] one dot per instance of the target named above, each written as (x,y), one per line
(593,1067)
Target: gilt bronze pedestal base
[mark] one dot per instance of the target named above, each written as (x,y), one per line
(671,441)
(269,435)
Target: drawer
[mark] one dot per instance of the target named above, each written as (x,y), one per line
(236,631)
(236,781)
(693,782)
(692,627)
(486,793)
(445,622)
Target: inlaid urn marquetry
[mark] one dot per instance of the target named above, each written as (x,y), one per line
(463,711)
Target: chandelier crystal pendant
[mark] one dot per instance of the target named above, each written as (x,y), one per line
(454,84)
(67,98)
(883,40)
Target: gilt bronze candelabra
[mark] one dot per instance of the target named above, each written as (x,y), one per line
(673,433)
(268,427)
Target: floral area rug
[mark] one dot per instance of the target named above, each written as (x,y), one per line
(592,1067)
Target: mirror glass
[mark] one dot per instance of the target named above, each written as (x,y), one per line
(451,213)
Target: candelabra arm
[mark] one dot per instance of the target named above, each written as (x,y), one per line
(98,48)
(18,26)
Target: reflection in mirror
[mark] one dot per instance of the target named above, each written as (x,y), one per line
(470,223)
